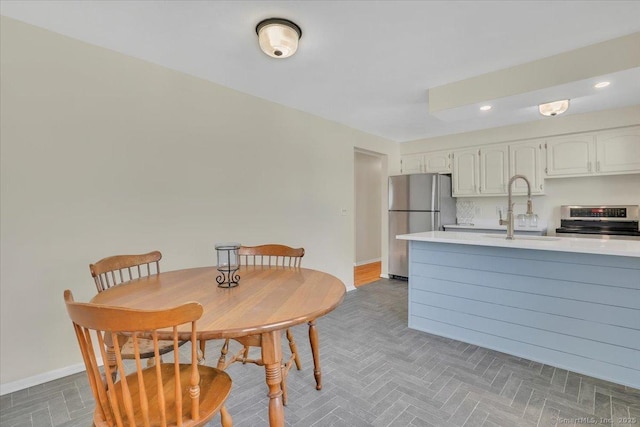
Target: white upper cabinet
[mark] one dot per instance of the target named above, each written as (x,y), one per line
(595,153)
(437,162)
(434,162)
(618,150)
(525,158)
(570,155)
(413,163)
(485,170)
(466,172)
(494,169)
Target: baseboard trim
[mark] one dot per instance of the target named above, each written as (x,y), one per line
(368,261)
(41,378)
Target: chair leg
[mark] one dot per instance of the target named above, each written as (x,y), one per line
(151,361)
(245,355)
(283,386)
(225,417)
(222,362)
(294,349)
(203,345)
(315,351)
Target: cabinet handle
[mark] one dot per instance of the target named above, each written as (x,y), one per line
(598,166)
(589,166)
(541,186)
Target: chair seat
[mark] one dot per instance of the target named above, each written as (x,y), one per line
(215,386)
(146,348)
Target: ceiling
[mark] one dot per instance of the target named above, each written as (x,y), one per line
(366,64)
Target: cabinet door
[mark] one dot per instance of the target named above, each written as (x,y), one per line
(465,172)
(437,162)
(570,155)
(525,158)
(494,169)
(411,164)
(618,150)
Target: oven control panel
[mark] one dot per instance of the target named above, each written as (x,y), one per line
(602,212)
(598,212)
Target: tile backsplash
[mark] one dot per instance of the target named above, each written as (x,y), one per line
(614,189)
(465,211)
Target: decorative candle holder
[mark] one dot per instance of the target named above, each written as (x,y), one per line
(228,264)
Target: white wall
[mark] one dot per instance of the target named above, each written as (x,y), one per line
(368,215)
(105,154)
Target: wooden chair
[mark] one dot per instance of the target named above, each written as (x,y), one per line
(272,256)
(116,269)
(112,271)
(164,394)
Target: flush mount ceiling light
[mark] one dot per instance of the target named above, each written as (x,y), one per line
(485,108)
(601,85)
(554,108)
(278,37)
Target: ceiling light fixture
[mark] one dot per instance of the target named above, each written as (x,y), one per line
(485,108)
(554,108)
(278,37)
(601,85)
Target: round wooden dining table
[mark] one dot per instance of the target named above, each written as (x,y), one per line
(267,301)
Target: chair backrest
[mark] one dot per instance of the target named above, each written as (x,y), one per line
(116,269)
(271,255)
(146,396)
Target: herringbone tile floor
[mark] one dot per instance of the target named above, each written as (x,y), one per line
(377,372)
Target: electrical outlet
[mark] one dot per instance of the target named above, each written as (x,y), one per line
(343,211)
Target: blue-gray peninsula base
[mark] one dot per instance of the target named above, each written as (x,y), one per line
(570,303)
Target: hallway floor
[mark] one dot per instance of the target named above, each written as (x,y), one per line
(367,273)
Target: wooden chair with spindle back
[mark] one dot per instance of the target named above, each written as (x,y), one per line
(112,271)
(116,269)
(174,394)
(271,255)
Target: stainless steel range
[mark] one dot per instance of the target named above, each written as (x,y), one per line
(600,222)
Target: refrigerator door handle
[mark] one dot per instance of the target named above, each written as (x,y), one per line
(435,192)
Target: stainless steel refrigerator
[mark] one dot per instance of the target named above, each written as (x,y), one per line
(417,202)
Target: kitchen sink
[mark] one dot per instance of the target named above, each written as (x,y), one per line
(520,237)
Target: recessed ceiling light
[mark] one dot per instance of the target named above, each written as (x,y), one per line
(485,108)
(601,85)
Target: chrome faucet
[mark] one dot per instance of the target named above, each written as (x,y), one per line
(509,221)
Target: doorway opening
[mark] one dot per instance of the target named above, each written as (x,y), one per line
(369,204)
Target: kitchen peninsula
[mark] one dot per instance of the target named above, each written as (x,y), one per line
(568,302)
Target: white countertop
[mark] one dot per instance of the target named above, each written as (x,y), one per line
(545,243)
